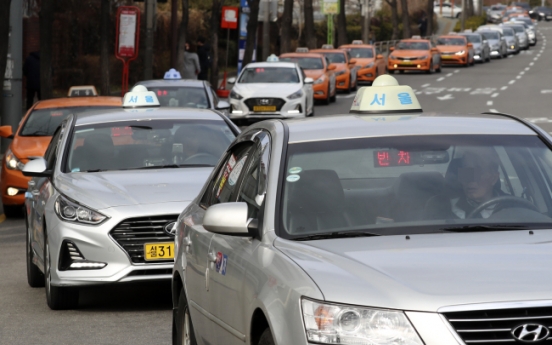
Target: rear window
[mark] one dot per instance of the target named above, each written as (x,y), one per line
(43,122)
(187,97)
(474,38)
(305,62)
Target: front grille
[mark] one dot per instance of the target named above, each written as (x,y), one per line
(407,58)
(133,233)
(252,102)
(498,326)
(448,53)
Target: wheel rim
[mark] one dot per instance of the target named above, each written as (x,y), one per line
(186,339)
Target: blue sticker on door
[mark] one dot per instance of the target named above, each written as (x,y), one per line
(222,259)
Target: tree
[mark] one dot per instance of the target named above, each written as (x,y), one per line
(251,31)
(310,35)
(4,41)
(394,18)
(469,8)
(216,11)
(341,24)
(405,19)
(429,11)
(287,20)
(46,30)
(104,46)
(181,45)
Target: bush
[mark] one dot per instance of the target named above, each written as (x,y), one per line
(471,23)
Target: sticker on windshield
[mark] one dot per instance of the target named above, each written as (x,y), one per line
(293,178)
(295,170)
(233,178)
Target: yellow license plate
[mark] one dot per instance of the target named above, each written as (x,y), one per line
(264,108)
(408,62)
(446,57)
(158,251)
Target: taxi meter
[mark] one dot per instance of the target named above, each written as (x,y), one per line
(385,96)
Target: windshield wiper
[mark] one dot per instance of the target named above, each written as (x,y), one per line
(490,227)
(94,170)
(337,234)
(172,166)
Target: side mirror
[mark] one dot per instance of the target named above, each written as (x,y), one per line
(331,67)
(392,49)
(228,219)
(309,80)
(36,168)
(379,57)
(231,80)
(223,105)
(470,45)
(353,61)
(6,132)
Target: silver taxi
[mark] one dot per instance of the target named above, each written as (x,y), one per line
(385,226)
(103,201)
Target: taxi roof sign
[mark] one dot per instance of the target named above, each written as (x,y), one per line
(302,50)
(416,37)
(140,97)
(357,42)
(82,91)
(385,96)
(272,58)
(172,74)
(327,46)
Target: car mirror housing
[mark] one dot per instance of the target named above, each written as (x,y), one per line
(332,67)
(223,105)
(231,80)
(391,49)
(6,132)
(228,219)
(309,80)
(36,168)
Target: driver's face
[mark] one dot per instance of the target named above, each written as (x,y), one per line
(477,178)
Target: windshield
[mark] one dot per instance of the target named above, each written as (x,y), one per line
(147,144)
(361,53)
(507,32)
(489,35)
(403,185)
(451,41)
(412,46)
(269,75)
(305,62)
(474,38)
(335,57)
(44,122)
(518,29)
(188,97)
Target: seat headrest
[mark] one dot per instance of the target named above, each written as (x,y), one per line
(419,184)
(317,191)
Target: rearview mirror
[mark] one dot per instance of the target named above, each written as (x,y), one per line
(379,57)
(470,45)
(6,132)
(231,80)
(331,67)
(223,105)
(309,80)
(36,168)
(228,219)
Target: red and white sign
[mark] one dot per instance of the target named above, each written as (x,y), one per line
(229,17)
(127,31)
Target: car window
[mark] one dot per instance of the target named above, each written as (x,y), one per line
(474,38)
(335,57)
(305,62)
(253,75)
(406,45)
(182,96)
(449,41)
(361,53)
(51,152)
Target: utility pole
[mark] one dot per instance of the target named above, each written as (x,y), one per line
(13,81)
(148,58)
(463,23)
(266,29)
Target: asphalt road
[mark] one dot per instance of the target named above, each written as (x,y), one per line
(141,314)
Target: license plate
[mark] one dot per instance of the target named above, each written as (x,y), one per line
(264,108)
(408,62)
(158,251)
(446,57)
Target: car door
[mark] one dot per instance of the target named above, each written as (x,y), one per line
(199,264)
(235,255)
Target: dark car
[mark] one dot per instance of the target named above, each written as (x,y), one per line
(541,13)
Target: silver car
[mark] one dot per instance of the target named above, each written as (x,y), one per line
(496,42)
(103,201)
(481,48)
(521,34)
(529,26)
(385,226)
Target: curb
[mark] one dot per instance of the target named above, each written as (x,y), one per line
(2,217)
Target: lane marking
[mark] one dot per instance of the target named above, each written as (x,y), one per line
(456,70)
(527,68)
(546,91)
(531,64)
(503,88)
(522,73)
(445,97)
(489,103)
(441,79)
(535,59)
(518,77)
(494,95)
(347,96)
(449,75)
(426,85)
(511,82)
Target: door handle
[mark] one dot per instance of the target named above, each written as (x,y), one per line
(212,257)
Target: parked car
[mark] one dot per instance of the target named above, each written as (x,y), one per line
(481,48)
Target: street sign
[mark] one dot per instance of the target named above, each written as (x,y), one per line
(229,18)
(127,39)
(330,7)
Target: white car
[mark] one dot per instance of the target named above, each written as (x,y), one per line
(449,10)
(271,90)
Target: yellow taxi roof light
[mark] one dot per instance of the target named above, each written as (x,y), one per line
(82,91)
(385,96)
(140,97)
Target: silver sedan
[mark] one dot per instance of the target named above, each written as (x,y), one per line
(102,204)
(376,227)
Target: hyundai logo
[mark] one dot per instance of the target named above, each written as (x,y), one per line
(264,101)
(530,333)
(170,228)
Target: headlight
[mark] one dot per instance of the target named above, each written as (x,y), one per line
(12,162)
(295,95)
(342,324)
(460,52)
(235,95)
(72,212)
(340,72)
(319,80)
(369,65)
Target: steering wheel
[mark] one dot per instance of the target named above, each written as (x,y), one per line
(505,198)
(201,155)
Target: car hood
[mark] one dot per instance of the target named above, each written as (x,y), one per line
(427,272)
(364,61)
(25,147)
(136,187)
(409,53)
(451,48)
(266,90)
(314,73)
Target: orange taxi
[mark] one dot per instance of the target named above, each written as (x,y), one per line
(369,60)
(32,138)
(414,54)
(316,67)
(455,49)
(345,67)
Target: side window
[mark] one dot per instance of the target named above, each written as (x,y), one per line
(223,187)
(51,151)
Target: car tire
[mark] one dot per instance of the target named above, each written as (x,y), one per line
(266,338)
(431,69)
(333,98)
(401,71)
(328,98)
(35,278)
(184,329)
(57,297)
(13,211)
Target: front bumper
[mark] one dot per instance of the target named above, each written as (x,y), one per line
(290,109)
(343,81)
(454,59)
(321,90)
(13,179)
(413,65)
(97,244)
